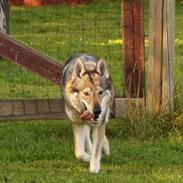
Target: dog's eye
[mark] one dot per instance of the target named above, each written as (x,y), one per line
(100,92)
(86,93)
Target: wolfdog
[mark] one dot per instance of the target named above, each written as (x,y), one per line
(88,95)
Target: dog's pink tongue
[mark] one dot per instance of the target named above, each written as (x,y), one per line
(86,115)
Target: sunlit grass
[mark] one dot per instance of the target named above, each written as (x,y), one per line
(43,152)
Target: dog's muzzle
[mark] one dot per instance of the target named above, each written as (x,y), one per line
(96,111)
(92,117)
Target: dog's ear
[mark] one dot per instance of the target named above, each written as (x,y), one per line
(101,68)
(79,68)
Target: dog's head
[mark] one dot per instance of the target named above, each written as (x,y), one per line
(89,89)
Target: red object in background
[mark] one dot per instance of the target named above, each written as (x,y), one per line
(32,2)
(16,2)
(52,2)
(74,2)
(47,2)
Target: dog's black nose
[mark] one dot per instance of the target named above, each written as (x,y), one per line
(97,111)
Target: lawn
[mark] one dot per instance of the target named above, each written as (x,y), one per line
(146,149)
(42,152)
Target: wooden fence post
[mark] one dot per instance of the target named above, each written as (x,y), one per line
(133,14)
(161,56)
(133,35)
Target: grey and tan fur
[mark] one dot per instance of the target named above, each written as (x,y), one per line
(88,94)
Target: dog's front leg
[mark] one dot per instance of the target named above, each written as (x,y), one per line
(88,142)
(98,138)
(79,142)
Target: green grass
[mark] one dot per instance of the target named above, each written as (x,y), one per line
(42,152)
(143,149)
(178,81)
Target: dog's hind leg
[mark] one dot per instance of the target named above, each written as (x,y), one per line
(105,117)
(105,146)
(79,142)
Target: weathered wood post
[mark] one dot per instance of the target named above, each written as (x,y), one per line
(133,36)
(161,56)
(4,16)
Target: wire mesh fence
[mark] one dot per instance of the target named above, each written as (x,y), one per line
(61,31)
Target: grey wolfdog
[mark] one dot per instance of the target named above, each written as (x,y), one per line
(88,95)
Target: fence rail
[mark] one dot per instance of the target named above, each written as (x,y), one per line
(30,58)
(32,109)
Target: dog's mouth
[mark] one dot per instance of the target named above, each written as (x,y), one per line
(88,116)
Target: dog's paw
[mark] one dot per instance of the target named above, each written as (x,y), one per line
(105,147)
(94,167)
(94,170)
(84,157)
(107,151)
